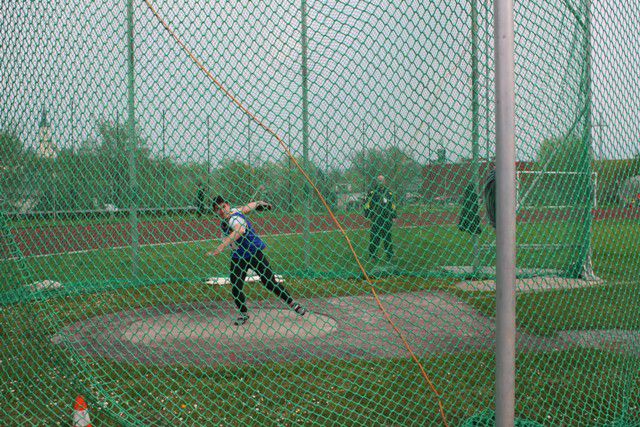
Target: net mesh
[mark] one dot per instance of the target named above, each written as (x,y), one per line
(368,128)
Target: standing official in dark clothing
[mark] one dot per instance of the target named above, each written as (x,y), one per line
(200,206)
(380,209)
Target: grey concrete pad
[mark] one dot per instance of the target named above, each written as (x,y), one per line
(263,324)
(627,341)
(490,271)
(342,327)
(532,284)
(431,322)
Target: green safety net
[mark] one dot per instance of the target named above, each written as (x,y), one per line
(368,129)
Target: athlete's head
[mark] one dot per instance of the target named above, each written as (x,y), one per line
(221,207)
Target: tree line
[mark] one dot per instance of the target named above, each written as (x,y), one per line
(96,177)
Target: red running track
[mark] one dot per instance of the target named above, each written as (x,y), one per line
(47,240)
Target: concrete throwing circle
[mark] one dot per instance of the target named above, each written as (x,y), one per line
(263,324)
(340,327)
(348,327)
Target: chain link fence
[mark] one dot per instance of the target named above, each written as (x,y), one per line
(368,128)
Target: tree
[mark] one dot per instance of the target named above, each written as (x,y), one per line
(95,175)
(275,178)
(401,171)
(612,176)
(66,181)
(10,147)
(114,156)
(12,166)
(281,183)
(564,154)
(235,178)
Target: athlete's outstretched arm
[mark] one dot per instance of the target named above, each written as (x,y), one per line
(255,206)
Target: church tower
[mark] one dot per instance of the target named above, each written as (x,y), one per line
(46,147)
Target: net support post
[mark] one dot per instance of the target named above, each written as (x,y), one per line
(133,181)
(475,123)
(586,268)
(505,214)
(305,131)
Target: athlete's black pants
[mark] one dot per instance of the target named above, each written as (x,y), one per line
(260,264)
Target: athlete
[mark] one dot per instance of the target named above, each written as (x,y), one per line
(247,252)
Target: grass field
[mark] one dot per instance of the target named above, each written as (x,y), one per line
(576,387)
(419,250)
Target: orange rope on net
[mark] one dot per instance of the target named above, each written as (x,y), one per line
(280,140)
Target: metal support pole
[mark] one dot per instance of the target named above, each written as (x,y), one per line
(475,120)
(73,143)
(487,123)
(289,172)
(364,166)
(164,164)
(249,160)
(396,158)
(305,133)
(429,150)
(505,214)
(586,269)
(249,142)
(327,180)
(133,183)
(208,151)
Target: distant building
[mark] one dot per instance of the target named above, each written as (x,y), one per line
(46,147)
(346,198)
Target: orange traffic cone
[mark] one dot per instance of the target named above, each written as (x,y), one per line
(81,413)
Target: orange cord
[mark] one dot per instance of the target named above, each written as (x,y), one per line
(310,181)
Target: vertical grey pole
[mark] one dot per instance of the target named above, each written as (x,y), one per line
(505,214)
(475,119)
(305,133)
(164,164)
(289,172)
(133,183)
(395,160)
(208,151)
(364,166)
(486,83)
(73,143)
(326,150)
(251,168)
(429,141)
(585,268)
(54,176)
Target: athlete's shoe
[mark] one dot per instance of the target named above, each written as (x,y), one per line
(241,319)
(298,308)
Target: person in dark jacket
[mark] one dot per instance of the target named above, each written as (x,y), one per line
(469,220)
(200,194)
(380,210)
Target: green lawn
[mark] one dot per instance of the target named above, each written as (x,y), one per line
(419,251)
(578,387)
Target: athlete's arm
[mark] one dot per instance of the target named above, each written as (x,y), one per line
(252,206)
(238,229)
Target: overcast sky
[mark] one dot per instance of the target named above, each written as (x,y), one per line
(380,73)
